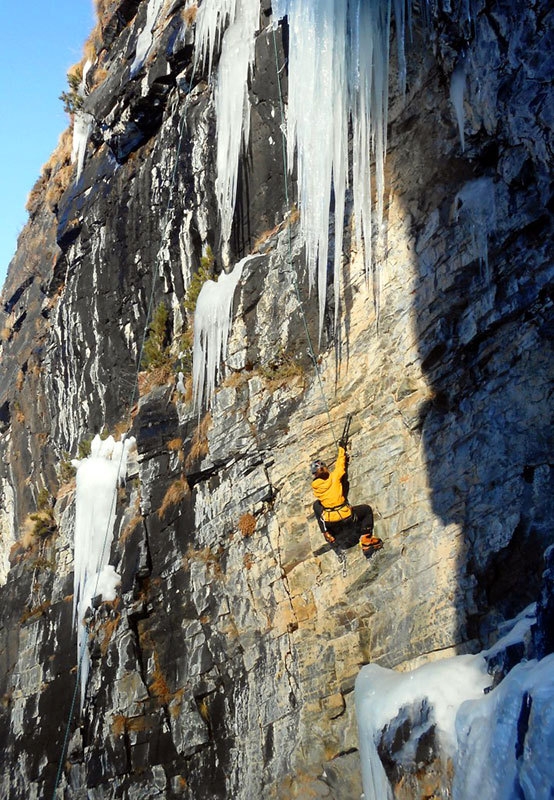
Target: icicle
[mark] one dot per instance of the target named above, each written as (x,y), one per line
(457,89)
(82,126)
(402,17)
(212,323)
(338,67)
(98,477)
(211,18)
(232,106)
(475,209)
(338,70)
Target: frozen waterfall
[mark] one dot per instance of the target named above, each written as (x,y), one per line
(338,73)
(478,727)
(98,478)
(212,323)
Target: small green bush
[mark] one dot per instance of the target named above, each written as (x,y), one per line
(156,351)
(44,524)
(66,470)
(283,366)
(205,273)
(72,100)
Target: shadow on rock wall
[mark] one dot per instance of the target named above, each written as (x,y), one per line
(485,322)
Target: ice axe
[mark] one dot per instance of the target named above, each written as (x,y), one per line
(346,431)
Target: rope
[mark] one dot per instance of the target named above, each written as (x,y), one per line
(293,271)
(132,401)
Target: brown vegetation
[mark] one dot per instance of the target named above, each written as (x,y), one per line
(203,709)
(122,724)
(247,524)
(176,493)
(55,176)
(159,376)
(281,370)
(206,555)
(199,446)
(108,627)
(130,528)
(35,612)
(189,14)
(158,686)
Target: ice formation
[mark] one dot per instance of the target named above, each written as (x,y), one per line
(500,742)
(82,126)
(98,478)
(144,39)
(457,89)
(338,71)
(231,101)
(180,386)
(212,322)
(381,694)
(475,209)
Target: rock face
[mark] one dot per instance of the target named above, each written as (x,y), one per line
(225,667)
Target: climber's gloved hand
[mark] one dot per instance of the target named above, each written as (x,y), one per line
(343,443)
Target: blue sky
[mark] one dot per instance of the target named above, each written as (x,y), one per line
(41,39)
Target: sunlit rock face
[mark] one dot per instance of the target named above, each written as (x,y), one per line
(225,667)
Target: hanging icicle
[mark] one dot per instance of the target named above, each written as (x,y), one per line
(338,73)
(212,323)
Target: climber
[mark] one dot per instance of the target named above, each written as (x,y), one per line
(331,508)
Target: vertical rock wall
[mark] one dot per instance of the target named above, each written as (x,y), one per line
(225,668)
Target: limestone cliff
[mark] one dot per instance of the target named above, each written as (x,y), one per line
(225,666)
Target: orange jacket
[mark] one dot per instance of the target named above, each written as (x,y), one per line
(330,493)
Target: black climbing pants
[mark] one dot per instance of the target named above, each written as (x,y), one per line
(362,517)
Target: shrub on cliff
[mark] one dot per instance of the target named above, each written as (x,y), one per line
(205,273)
(156,352)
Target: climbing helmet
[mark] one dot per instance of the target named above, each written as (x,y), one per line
(317,465)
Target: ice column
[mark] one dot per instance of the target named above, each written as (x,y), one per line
(338,73)
(82,126)
(232,106)
(98,478)
(500,739)
(457,90)
(212,322)
(382,695)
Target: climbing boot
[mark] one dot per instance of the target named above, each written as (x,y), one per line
(369,544)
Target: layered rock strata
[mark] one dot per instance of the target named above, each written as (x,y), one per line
(225,668)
